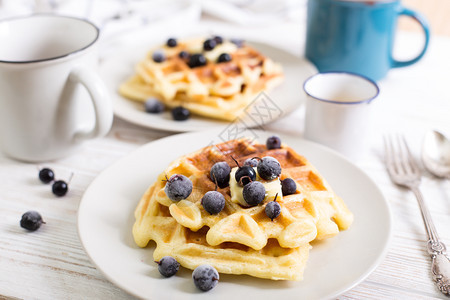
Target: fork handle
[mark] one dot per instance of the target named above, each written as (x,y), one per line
(440,264)
(429,225)
(440,269)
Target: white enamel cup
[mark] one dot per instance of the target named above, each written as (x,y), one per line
(338,112)
(51,98)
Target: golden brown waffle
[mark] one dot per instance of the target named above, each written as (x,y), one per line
(190,248)
(216,90)
(240,240)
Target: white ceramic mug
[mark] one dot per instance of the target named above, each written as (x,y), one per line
(51,98)
(338,111)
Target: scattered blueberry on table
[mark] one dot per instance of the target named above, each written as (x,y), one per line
(60,188)
(46,175)
(31,220)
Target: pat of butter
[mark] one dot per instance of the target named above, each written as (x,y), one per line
(272,188)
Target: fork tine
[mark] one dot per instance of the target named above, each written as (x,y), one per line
(390,155)
(412,163)
(402,156)
(387,152)
(397,156)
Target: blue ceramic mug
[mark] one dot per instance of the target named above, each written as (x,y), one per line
(356,36)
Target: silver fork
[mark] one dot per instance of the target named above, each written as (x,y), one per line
(404,171)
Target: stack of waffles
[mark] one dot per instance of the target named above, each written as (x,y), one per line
(241,239)
(219,90)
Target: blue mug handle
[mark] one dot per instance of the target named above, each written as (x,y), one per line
(423,22)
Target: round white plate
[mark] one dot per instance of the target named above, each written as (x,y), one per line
(117,67)
(106,217)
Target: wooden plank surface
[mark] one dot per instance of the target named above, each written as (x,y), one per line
(51,263)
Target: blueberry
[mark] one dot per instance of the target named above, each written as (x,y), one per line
(31,220)
(183,55)
(273,209)
(154,106)
(197,60)
(273,142)
(205,277)
(158,56)
(171,42)
(224,57)
(168,266)
(46,175)
(238,42)
(209,44)
(180,113)
(269,168)
(218,39)
(60,188)
(288,186)
(220,172)
(252,162)
(213,202)
(178,187)
(254,193)
(245,175)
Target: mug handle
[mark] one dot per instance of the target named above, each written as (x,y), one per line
(100,100)
(423,22)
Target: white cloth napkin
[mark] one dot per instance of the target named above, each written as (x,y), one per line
(139,12)
(111,16)
(120,19)
(254,12)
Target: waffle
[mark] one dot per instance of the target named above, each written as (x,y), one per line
(216,90)
(240,240)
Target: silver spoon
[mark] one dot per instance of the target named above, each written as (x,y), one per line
(436,154)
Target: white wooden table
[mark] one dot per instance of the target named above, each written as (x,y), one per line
(51,263)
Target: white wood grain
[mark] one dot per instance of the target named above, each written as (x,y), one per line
(51,263)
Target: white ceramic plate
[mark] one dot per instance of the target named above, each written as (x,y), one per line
(117,67)
(106,217)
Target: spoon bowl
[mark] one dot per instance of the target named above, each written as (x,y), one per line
(436,154)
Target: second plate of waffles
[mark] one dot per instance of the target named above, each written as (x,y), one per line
(109,210)
(235,80)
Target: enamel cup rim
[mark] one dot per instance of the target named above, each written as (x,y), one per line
(53,16)
(359,76)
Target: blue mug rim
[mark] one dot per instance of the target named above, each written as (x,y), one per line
(340,102)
